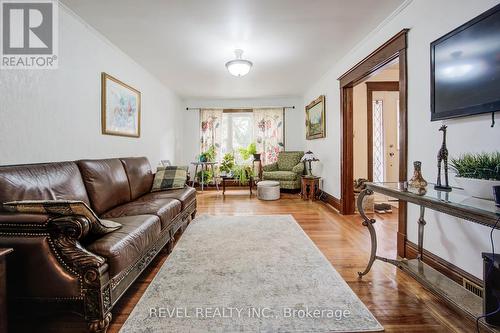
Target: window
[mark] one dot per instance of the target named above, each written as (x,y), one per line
(229,130)
(237,131)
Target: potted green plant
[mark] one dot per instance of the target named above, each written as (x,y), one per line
(207,176)
(252,149)
(243,173)
(477,173)
(209,155)
(227,164)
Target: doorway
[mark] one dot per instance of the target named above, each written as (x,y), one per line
(394,50)
(383,131)
(376,130)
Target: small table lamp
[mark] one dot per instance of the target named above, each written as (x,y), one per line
(309,158)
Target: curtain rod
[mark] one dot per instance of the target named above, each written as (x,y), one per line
(260,107)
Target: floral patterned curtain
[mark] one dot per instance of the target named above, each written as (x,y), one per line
(211,129)
(269,133)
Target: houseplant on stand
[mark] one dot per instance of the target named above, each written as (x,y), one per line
(477,173)
(207,156)
(227,164)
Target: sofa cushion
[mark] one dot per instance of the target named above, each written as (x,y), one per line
(166,209)
(288,159)
(140,177)
(170,177)
(125,246)
(47,181)
(106,183)
(279,175)
(186,195)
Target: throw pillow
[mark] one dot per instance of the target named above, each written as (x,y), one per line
(169,177)
(64,208)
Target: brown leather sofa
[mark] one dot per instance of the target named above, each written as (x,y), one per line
(57,266)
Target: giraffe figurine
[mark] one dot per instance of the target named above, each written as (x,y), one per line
(443,157)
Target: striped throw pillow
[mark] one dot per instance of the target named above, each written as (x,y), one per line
(170,177)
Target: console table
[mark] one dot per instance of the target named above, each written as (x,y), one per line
(455,203)
(3,290)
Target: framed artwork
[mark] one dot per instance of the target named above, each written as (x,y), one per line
(120,108)
(315,119)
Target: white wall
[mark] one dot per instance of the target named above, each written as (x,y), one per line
(54,115)
(454,240)
(294,121)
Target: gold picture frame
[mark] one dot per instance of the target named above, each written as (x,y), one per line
(120,108)
(315,119)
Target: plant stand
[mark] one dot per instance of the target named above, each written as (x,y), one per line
(204,167)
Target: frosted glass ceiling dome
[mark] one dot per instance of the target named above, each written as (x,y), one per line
(239,66)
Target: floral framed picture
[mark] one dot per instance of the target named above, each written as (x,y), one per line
(120,108)
(315,119)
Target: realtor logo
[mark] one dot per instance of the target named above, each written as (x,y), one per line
(29,34)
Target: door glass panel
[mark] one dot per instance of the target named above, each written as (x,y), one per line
(378,141)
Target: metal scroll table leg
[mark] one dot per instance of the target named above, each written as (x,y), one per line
(367,222)
(421,224)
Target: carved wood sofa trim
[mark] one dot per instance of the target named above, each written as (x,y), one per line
(98,293)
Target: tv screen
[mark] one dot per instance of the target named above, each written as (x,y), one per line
(465,68)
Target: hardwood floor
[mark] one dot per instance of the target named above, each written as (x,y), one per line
(398,301)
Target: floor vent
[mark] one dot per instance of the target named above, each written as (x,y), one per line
(472,287)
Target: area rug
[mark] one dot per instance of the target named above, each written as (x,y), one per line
(248,274)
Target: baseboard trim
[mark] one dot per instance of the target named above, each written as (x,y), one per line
(330,199)
(451,271)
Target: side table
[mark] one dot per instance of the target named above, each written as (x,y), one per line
(3,290)
(309,187)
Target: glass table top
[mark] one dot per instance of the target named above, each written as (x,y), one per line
(456,197)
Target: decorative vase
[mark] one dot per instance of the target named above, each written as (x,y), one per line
(203,158)
(478,188)
(256,157)
(417,181)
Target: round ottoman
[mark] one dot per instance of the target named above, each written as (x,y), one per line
(268,190)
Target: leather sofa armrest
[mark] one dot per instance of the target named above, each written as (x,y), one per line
(270,167)
(19,218)
(66,231)
(298,168)
(56,240)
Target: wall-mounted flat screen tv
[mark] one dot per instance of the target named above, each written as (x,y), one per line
(465,68)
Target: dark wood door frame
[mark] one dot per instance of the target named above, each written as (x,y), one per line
(394,48)
(370,88)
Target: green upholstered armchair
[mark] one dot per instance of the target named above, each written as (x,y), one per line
(287,170)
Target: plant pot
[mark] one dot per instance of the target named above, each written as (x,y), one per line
(256,157)
(203,158)
(479,188)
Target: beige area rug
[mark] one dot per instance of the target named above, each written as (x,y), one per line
(248,274)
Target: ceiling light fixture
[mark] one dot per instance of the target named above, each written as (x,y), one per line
(239,67)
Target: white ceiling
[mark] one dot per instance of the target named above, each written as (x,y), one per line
(186,43)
